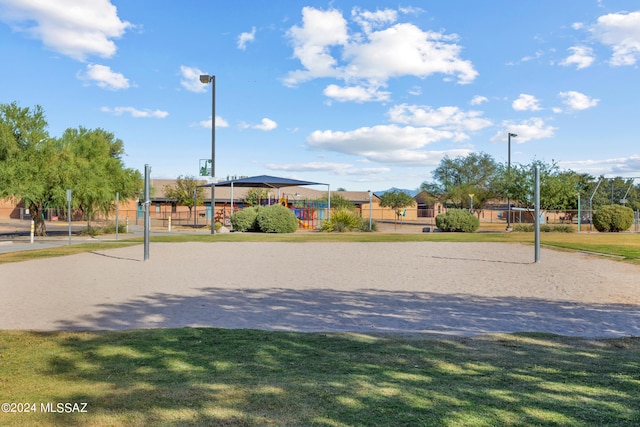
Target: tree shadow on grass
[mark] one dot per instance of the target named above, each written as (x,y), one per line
(254,378)
(246,377)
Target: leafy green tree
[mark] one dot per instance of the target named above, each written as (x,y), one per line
(339,202)
(98,172)
(558,189)
(182,192)
(397,200)
(33,165)
(254,195)
(455,179)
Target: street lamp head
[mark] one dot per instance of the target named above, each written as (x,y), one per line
(204,78)
(512,134)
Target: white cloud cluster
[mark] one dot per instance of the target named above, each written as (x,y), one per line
(445,118)
(618,31)
(577,101)
(621,166)
(527,130)
(135,113)
(332,167)
(355,93)
(266,125)
(191,79)
(245,38)
(581,57)
(526,102)
(367,59)
(77,29)
(220,123)
(477,100)
(621,32)
(104,77)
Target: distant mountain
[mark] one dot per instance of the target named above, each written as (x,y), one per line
(412,193)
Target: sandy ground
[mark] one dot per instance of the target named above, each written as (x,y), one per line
(417,287)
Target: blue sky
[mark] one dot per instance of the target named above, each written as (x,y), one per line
(358,94)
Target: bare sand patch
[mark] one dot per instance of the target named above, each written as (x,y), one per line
(423,287)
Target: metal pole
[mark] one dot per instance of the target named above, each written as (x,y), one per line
(370,210)
(147,205)
(537,213)
(69,213)
(195,207)
(213,151)
(591,205)
(579,215)
(117,223)
(509,135)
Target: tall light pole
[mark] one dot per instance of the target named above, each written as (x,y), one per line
(509,177)
(206,79)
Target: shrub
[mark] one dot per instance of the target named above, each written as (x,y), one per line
(457,220)
(613,218)
(344,220)
(107,229)
(277,219)
(545,228)
(246,219)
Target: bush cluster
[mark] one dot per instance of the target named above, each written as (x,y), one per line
(277,219)
(457,220)
(272,219)
(246,219)
(346,220)
(613,218)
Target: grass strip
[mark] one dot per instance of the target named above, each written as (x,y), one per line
(193,376)
(59,251)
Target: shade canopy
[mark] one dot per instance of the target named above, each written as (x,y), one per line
(264,181)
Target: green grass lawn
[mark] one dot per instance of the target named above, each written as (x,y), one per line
(255,378)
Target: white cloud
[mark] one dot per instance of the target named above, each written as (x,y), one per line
(191,79)
(537,55)
(369,20)
(355,93)
(73,28)
(220,123)
(336,168)
(577,101)
(390,143)
(526,103)
(103,77)
(477,100)
(417,158)
(266,125)
(325,48)
(527,130)
(621,32)
(135,113)
(245,38)
(621,166)
(446,118)
(415,91)
(582,57)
